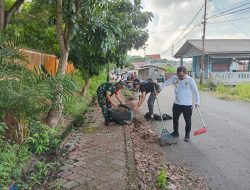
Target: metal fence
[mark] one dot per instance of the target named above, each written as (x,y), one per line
(229,78)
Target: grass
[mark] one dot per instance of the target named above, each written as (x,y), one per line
(241,91)
(161,180)
(76,104)
(207,86)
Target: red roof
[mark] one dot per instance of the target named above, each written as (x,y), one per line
(154,56)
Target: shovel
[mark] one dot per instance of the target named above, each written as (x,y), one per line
(166,138)
(204,128)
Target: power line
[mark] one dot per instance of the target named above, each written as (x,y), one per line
(235,26)
(245,18)
(229,13)
(197,25)
(233,5)
(188,26)
(230,9)
(189,23)
(228,16)
(166,31)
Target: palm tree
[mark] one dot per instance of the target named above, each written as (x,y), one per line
(24,94)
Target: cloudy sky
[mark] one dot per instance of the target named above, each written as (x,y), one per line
(171,18)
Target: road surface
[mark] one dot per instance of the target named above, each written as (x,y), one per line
(222,155)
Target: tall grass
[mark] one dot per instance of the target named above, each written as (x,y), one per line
(243,90)
(76,104)
(240,91)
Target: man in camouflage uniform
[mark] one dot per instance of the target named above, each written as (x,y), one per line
(104,93)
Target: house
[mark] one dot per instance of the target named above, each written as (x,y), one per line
(154,56)
(137,65)
(226,61)
(150,71)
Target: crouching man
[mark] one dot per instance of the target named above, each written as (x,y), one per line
(104,94)
(145,88)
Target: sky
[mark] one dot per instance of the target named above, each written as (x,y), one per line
(171,17)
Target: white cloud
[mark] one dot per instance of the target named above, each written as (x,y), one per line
(172,16)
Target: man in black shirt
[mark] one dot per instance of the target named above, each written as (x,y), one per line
(146,87)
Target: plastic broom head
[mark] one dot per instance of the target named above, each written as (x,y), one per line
(200,131)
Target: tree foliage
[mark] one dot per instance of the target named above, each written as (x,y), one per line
(35,26)
(7,10)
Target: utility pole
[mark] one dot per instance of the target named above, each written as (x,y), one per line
(172,53)
(203,44)
(144,50)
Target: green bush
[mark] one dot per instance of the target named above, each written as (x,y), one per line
(42,138)
(13,160)
(42,170)
(76,104)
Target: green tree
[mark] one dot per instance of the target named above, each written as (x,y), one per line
(67,14)
(6,12)
(34,25)
(107,35)
(94,45)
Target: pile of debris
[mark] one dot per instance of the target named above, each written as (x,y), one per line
(150,160)
(183,178)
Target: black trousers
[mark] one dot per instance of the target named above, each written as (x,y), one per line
(151,101)
(187,113)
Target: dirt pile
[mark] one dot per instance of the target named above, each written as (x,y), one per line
(150,160)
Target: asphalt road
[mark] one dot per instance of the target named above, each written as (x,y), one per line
(222,155)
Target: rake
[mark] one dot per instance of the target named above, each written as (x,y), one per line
(204,128)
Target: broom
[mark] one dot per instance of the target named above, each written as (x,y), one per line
(204,128)
(166,138)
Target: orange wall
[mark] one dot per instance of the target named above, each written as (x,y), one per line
(50,62)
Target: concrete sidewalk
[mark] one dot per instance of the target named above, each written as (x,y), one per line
(99,157)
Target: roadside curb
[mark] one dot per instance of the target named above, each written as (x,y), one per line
(132,182)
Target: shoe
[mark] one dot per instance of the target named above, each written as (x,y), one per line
(175,134)
(187,138)
(106,123)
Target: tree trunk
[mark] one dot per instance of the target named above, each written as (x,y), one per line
(54,114)
(14,8)
(85,87)
(63,38)
(63,62)
(2,14)
(6,15)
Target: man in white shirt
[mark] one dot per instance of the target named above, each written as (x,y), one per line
(185,88)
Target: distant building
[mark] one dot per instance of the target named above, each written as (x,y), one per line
(138,65)
(150,71)
(154,56)
(226,61)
